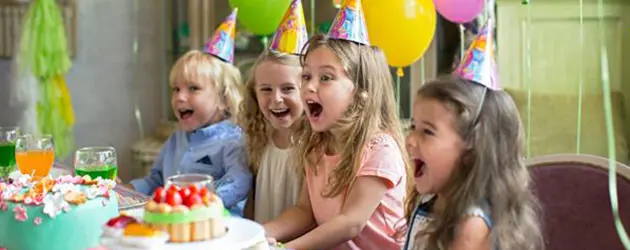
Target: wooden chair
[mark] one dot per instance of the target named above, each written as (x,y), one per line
(573,193)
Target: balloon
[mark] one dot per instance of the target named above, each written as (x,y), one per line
(459,11)
(261,17)
(403,29)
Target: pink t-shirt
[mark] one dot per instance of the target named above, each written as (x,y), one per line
(382,158)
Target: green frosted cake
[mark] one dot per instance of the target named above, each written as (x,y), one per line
(66,213)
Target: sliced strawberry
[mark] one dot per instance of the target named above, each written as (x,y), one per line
(160,195)
(173,198)
(193,199)
(193,189)
(184,192)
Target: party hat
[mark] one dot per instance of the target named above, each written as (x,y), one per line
(291,35)
(349,24)
(478,64)
(221,44)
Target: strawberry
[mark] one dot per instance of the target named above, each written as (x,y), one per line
(173,198)
(173,188)
(193,199)
(184,192)
(121,221)
(203,192)
(160,195)
(193,189)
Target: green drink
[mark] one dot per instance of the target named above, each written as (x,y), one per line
(7,158)
(108,172)
(96,162)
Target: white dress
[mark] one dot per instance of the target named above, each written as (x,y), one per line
(277,183)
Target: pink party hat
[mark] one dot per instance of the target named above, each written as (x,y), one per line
(349,24)
(291,35)
(478,64)
(221,44)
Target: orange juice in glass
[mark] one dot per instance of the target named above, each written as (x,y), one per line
(35,155)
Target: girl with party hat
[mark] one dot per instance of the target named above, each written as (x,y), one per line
(472,189)
(351,147)
(271,112)
(205,98)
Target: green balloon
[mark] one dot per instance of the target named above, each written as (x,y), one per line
(260,17)
(324,27)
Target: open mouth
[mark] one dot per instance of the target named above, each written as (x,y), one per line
(185,113)
(314,108)
(418,168)
(280,113)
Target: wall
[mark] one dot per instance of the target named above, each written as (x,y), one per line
(103,82)
(558,62)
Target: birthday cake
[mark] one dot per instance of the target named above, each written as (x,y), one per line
(176,214)
(63,213)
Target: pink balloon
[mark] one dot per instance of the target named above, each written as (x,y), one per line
(459,11)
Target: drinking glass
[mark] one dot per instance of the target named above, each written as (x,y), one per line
(8,135)
(35,154)
(96,162)
(184,180)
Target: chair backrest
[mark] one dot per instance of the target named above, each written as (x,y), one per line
(573,192)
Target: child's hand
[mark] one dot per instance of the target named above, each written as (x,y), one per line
(272,241)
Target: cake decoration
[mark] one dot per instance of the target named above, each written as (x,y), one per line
(20,213)
(75,198)
(56,195)
(37,221)
(54,205)
(66,206)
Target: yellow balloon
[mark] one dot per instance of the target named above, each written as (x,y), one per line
(403,29)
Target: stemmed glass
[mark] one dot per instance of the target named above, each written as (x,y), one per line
(35,154)
(8,135)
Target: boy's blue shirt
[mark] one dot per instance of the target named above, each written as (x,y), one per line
(217,150)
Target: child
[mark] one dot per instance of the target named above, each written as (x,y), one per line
(351,149)
(205,98)
(467,148)
(271,111)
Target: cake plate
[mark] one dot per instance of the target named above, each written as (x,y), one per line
(242,234)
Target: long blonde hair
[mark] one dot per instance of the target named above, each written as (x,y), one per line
(492,167)
(373,110)
(197,66)
(254,124)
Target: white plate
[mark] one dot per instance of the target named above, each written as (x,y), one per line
(242,234)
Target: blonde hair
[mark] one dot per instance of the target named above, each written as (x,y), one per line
(202,68)
(372,111)
(253,122)
(492,167)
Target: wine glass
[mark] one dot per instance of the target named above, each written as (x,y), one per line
(185,180)
(8,135)
(35,154)
(96,162)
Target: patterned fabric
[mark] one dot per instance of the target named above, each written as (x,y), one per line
(216,150)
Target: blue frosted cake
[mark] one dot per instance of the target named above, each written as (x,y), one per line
(48,214)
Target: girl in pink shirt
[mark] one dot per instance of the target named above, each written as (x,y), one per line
(351,148)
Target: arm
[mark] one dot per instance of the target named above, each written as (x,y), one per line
(364,197)
(148,184)
(235,185)
(472,234)
(294,221)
